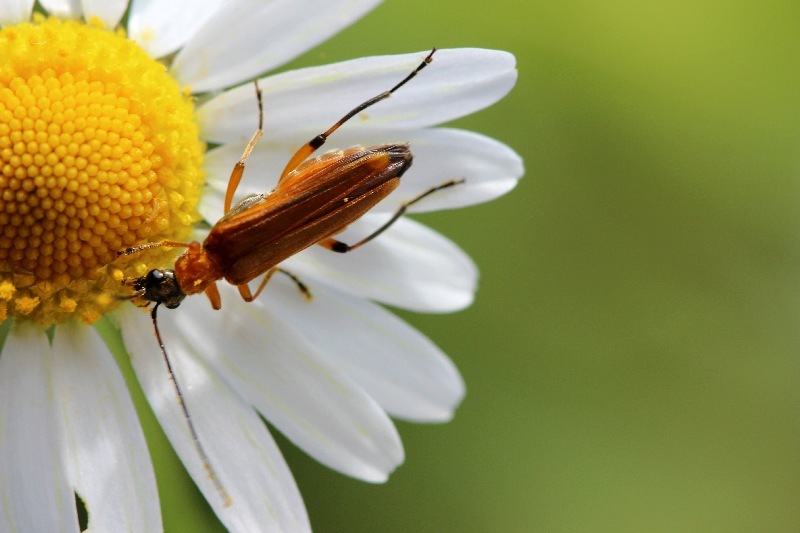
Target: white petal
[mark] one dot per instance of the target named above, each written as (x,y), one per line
(457,83)
(109,11)
(34,492)
(162,27)
(246,38)
(398,366)
(106,453)
(15,11)
(489,167)
(281,374)
(210,206)
(408,266)
(242,453)
(63,8)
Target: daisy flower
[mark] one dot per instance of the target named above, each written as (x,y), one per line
(119,125)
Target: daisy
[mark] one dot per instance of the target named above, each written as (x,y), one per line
(104,136)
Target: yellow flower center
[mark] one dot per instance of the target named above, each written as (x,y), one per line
(99,151)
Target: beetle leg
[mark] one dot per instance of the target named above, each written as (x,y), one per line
(149,245)
(133,296)
(244,288)
(14,269)
(311,146)
(247,296)
(300,285)
(338,246)
(238,169)
(213,294)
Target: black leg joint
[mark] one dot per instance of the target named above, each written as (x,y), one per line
(317,141)
(340,247)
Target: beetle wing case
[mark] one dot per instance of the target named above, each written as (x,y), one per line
(321,198)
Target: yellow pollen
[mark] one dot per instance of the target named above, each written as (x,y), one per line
(25,305)
(6,290)
(99,151)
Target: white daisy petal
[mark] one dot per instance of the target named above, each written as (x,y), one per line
(34,491)
(105,451)
(248,37)
(263,168)
(210,206)
(309,401)
(408,266)
(457,83)
(489,167)
(108,11)
(394,363)
(15,11)
(264,165)
(63,8)
(162,27)
(263,494)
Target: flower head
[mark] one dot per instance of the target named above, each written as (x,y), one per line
(103,136)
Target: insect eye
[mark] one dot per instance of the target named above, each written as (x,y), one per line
(154,278)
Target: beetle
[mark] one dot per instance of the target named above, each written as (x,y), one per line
(314,200)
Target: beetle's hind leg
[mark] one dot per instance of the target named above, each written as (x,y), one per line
(247,296)
(338,246)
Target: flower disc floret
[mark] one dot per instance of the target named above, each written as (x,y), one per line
(99,151)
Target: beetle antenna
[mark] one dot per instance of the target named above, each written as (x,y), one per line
(226,499)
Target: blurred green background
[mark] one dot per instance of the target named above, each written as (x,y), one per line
(632,359)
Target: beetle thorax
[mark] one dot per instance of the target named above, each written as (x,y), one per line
(196,269)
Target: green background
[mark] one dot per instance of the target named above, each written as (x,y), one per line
(632,356)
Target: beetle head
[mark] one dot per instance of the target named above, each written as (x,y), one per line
(160,286)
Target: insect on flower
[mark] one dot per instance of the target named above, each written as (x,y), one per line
(313,201)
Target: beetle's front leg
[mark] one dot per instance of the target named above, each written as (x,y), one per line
(238,169)
(213,294)
(150,245)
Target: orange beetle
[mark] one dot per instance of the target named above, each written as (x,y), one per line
(313,201)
